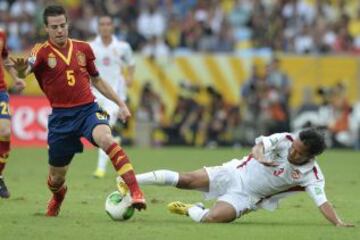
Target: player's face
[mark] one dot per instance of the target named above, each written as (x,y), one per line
(106,26)
(298,153)
(57,29)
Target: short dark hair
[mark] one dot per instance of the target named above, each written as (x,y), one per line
(104,16)
(314,140)
(52,11)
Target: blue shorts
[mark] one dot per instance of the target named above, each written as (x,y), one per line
(4,105)
(66,127)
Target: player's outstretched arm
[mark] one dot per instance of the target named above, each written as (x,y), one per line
(106,90)
(19,83)
(330,214)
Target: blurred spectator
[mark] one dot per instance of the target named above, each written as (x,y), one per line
(199,25)
(338,124)
(151,23)
(156,49)
(149,116)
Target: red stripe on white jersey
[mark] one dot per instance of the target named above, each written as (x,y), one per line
(290,138)
(297,188)
(316,173)
(250,156)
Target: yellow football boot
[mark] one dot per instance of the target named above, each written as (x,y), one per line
(179,207)
(99,173)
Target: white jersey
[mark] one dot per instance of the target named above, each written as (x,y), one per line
(263,182)
(248,184)
(109,61)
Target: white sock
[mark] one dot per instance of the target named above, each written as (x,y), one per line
(158,177)
(102,160)
(197,213)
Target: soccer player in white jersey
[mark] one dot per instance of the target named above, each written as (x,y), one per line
(113,57)
(279,165)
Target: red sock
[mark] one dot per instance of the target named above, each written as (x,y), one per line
(56,189)
(122,165)
(4,154)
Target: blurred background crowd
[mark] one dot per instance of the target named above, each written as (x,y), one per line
(296,26)
(202,117)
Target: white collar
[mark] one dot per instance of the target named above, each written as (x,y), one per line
(306,167)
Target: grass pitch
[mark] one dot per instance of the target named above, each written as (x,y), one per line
(83,216)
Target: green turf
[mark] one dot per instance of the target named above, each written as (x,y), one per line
(83,217)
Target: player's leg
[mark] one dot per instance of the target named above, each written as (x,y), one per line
(197,179)
(62,148)
(221,212)
(4,153)
(4,140)
(103,158)
(56,184)
(102,136)
(101,164)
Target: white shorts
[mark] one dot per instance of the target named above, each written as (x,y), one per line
(225,185)
(110,107)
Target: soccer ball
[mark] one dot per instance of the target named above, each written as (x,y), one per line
(118,206)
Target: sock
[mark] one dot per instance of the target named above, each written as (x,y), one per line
(56,189)
(102,160)
(122,165)
(197,213)
(159,177)
(2,165)
(4,153)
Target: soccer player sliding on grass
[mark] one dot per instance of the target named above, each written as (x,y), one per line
(279,165)
(65,68)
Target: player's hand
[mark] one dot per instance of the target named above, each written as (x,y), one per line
(124,113)
(342,224)
(20,64)
(19,84)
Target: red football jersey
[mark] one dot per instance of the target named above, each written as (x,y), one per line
(4,54)
(64,74)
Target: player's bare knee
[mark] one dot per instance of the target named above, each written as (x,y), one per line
(210,218)
(104,140)
(216,218)
(102,136)
(186,181)
(57,180)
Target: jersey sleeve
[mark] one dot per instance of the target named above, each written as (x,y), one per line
(316,192)
(90,62)
(127,57)
(3,45)
(35,59)
(315,186)
(272,142)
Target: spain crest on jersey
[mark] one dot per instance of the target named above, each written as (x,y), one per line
(52,60)
(81,59)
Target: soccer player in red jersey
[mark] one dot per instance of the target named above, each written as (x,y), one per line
(64,69)
(4,110)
